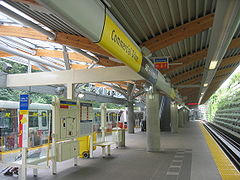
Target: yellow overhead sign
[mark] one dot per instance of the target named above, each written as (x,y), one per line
(115,41)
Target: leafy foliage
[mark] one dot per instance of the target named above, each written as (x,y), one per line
(16,67)
(224,97)
(13,95)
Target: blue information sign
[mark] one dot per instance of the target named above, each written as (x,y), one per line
(24,101)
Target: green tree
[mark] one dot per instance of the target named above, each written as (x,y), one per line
(13,95)
(222,98)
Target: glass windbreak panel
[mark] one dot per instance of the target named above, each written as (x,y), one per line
(38,127)
(97,122)
(44,129)
(109,122)
(107,117)
(8,129)
(33,119)
(44,118)
(114,120)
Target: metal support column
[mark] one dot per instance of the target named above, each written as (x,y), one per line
(70,88)
(153,121)
(184,117)
(174,118)
(53,147)
(103,120)
(180,119)
(23,169)
(66,58)
(166,114)
(130,108)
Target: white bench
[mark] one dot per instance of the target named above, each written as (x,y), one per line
(103,145)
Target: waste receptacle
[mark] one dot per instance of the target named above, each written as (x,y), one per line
(118,136)
(84,143)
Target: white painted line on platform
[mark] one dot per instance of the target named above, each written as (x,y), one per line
(172,173)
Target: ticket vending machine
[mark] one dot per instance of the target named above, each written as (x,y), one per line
(66,116)
(66,125)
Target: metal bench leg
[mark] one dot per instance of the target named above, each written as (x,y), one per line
(20,173)
(75,160)
(103,152)
(109,150)
(35,172)
(54,167)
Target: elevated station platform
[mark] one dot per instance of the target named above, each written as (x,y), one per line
(154,61)
(184,156)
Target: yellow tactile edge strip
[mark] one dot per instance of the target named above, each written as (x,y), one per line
(225,167)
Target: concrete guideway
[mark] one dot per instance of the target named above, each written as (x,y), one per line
(225,167)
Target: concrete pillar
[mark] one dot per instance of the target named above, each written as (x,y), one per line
(153,121)
(103,120)
(184,117)
(177,116)
(181,116)
(70,89)
(131,118)
(166,114)
(174,118)
(187,116)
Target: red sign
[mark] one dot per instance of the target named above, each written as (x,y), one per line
(192,104)
(161,63)
(64,106)
(20,131)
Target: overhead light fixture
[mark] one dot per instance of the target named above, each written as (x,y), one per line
(179,106)
(202,93)
(213,64)
(59,90)
(147,87)
(80,95)
(205,85)
(6,67)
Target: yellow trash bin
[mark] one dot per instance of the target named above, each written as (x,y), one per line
(84,143)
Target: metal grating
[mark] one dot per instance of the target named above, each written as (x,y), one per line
(148,18)
(44,17)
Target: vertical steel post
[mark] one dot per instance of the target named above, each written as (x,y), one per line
(103,120)
(53,159)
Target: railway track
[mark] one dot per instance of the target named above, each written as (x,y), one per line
(229,143)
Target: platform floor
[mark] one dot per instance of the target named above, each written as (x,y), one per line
(184,156)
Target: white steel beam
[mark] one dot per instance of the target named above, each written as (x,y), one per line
(122,73)
(66,58)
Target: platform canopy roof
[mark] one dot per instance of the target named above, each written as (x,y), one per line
(178,29)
